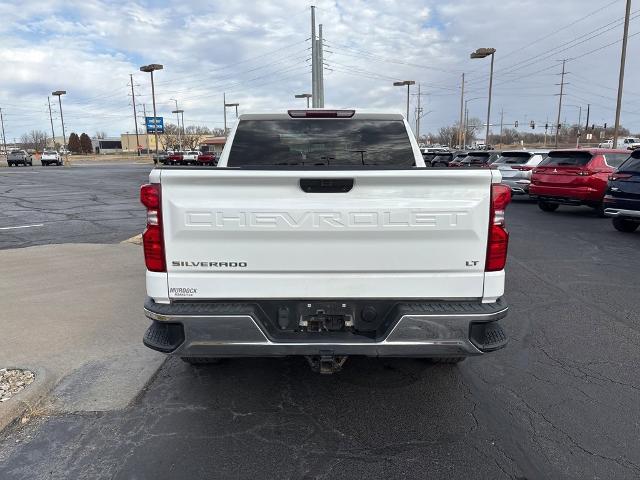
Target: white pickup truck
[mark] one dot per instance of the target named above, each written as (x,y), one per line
(320,234)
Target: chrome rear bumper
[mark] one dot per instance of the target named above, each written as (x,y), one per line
(433,329)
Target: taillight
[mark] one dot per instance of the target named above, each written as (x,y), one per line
(498,238)
(523,168)
(586,173)
(620,176)
(152,239)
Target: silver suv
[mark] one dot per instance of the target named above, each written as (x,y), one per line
(516,167)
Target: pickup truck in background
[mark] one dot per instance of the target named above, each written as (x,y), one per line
(321,234)
(19,157)
(627,143)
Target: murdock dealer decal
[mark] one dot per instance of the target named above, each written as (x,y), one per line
(182,291)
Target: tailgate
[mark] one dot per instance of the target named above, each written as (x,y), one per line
(256,234)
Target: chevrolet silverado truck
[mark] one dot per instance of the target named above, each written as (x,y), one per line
(320,234)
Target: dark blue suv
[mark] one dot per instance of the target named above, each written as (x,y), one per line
(622,198)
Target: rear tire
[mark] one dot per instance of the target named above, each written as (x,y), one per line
(448,360)
(623,225)
(200,360)
(547,206)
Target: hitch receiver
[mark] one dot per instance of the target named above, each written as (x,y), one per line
(326,364)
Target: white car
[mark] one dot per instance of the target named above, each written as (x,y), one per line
(627,143)
(190,157)
(50,157)
(317,236)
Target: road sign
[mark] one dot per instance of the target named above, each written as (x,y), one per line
(154,124)
(589,136)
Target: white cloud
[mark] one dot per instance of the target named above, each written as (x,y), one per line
(258,53)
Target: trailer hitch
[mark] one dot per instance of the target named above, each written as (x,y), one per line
(326,363)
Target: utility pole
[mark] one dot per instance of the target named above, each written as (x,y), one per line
(320,69)
(314,60)
(4,139)
(135,116)
(560,102)
(579,125)
(460,131)
(224,103)
(464,132)
(53,133)
(501,124)
(586,126)
(418,112)
(177,111)
(623,58)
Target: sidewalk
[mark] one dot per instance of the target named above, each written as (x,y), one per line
(72,313)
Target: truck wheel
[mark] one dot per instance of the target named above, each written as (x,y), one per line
(448,360)
(547,206)
(623,225)
(200,360)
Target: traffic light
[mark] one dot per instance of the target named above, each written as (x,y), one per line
(546,126)
(605,126)
(593,126)
(532,124)
(516,124)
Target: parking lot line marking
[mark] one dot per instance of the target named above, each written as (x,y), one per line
(22,226)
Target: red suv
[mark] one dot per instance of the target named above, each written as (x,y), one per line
(207,158)
(574,177)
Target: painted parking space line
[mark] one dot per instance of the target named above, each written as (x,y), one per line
(22,226)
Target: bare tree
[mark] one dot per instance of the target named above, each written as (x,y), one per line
(170,140)
(34,140)
(193,135)
(101,134)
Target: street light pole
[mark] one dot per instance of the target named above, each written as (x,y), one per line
(408,83)
(304,95)
(466,121)
(150,69)
(59,94)
(483,53)
(623,58)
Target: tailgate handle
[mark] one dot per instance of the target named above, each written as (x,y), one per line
(326,185)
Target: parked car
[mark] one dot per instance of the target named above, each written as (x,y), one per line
(175,158)
(19,157)
(161,157)
(259,258)
(622,198)
(50,157)
(574,177)
(207,158)
(516,167)
(456,161)
(476,159)
(442,159)
(190,157)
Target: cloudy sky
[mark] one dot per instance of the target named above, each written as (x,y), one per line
(258,53)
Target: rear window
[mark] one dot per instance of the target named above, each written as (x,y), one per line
(315,142)
(444,158)
(632,165)
(615,159)
(514,158)
(476,158)
(566,159)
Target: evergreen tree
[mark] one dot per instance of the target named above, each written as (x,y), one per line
(85,143)
(74,143)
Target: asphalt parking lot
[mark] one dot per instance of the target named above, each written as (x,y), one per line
(561,401)
(77,204)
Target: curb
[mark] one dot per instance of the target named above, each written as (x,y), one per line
(27,400)
(136,240)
